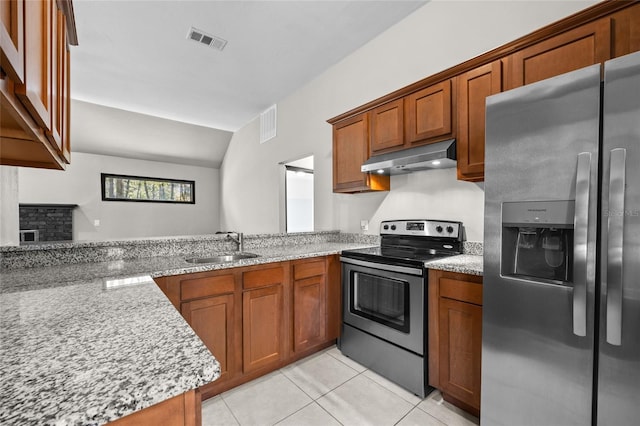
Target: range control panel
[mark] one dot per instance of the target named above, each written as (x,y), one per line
(422,227)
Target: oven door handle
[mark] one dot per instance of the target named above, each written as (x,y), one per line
(383,266)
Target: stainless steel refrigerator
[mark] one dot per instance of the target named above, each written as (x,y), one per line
(561,308)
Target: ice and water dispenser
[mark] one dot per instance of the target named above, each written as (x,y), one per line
(537,240)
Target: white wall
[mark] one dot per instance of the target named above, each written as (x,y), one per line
(9,223)
(80,184)
(437,36)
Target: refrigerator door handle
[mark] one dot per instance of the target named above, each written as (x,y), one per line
(615,232)
(581,230)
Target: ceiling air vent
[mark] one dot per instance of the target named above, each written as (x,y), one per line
(206,39)
(268,124)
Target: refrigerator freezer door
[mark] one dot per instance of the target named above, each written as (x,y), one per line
(619,355)
(535,369)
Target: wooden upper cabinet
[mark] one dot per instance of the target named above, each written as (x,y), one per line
(626,31)
(583,46)
(35,93)
(473,88)
(35,99)
(12,39)
(387,127)
(350,150)
(58,78)
(428,115)
(66,112)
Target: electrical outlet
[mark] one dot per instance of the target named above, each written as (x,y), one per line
(96,222)
(364,225)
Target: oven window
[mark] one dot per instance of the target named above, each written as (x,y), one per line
(380,299)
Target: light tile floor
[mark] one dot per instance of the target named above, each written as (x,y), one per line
(328,389)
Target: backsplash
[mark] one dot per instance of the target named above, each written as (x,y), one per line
(63,253)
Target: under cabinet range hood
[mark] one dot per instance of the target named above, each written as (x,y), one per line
(439,155)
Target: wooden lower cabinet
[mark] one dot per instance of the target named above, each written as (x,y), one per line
(181,410)
(257,319)
(262,327)
(213,320)
(309,304)
(455,337)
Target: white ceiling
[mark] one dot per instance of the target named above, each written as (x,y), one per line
(135,56)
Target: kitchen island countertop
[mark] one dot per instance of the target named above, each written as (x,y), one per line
(75,352)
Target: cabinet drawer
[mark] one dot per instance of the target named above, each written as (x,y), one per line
(262,277)
(308,269)
(208,286)
(461,290)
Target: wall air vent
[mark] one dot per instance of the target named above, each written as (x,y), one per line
(206,39)
(268,124)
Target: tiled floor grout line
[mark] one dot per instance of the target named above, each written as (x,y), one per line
(230,410)
(324,394)
(382,384)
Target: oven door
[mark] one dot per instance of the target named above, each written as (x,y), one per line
(386,301)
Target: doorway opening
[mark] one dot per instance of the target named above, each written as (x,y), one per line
(298,188)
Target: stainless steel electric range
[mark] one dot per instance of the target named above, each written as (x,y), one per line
(385,298)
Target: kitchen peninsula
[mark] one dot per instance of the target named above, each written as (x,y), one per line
(80,349)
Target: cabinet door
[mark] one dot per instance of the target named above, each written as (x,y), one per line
(12,39)
(460,332)
(350,150)
(387,127)
(428,114)
(262,327)
(66,112)
(35,93)
(586,45)
(473,88)
(58,78)
(626,27)
(309,316)
(212,319)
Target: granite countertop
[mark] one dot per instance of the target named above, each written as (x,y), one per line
(464,263)
(74,352)
(84,355)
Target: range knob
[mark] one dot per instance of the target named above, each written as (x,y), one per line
(439,228)
(450,229)
(393,227)
(386,227)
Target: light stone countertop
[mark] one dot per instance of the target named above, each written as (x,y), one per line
(84,355)
(464,263)
(75,353)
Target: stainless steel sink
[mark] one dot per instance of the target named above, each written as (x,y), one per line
(222,258)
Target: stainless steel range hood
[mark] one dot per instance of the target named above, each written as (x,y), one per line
(439,155)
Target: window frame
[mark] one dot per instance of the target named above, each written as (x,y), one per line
(104,176)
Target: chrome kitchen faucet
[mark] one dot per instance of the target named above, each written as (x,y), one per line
(239,239)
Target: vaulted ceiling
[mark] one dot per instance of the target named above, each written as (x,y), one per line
(136,56)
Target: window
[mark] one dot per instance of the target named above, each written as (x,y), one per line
(147,189)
